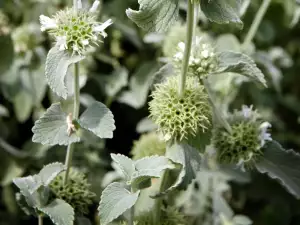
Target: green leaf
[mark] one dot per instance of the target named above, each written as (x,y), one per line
(155,15)
(221,11)
(115,81)
(124,164)
(115,200)
(52,128)
(240,63)
(151,166)
(50,171)
(189,159)
(57,64)
(139,85)
(60,212)
(98,119)
(23,104)
(281,164)
(6,53)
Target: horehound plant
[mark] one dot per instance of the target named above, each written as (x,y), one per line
(184,108)
(57,191)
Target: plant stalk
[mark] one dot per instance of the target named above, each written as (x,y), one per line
(70,149)
(158,201)
(75,6)
(256,22)
(40,220)
(131,217)
(188,46)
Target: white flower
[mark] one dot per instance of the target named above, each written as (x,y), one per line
(247,111)
(61,41)
(264,135)
(95,6)
(47,23)
(100,28)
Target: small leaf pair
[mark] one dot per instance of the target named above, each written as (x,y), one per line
(53,127)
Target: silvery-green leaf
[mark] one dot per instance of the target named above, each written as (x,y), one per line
(6,53)
(57,64)
(189,159)
(124,164)
(23,104)
(151,166)
(98,119)
(228,42)
(139,85)
(221,11)
(116,81)
(281,164)
(115,200)
(240,63)
(145,125)
(241,220)
(60,212)
(49,172)
(155,15)
(52,128)
(26,185)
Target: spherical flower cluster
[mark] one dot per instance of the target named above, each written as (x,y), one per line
(179,117)
(243,145)
(148,145)
(76,192)
(26,37)
(75,30)
(203,60)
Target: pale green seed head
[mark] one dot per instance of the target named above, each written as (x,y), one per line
(177,116)
(243,146)
(148,145)
(76,192)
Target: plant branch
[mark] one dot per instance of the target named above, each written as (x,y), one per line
(40,220)
(70,149)
(188,46)
(255,24)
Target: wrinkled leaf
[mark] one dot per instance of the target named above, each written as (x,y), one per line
(115,200)
(60,212)
(52,128)
(240,63)
(57,64)
(49,172)
(281,164)
(124,164)
(155,15)
(221,11)
(98,119)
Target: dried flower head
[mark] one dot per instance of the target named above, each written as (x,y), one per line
(244,144)
(203,59)
(177,116)
(148,144)
(75,30)
(76,192)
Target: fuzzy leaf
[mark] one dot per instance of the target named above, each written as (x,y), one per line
(189,159)
(57,64)
(155,15)
(60,212)
(115,200)
(124,164)
(240,63)
(52,128)
(281,164)
(98,119)
(221,11)
(151,166)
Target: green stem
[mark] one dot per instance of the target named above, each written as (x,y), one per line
(40,220)
(188,46)
(70,149)
(158,201)
(131,217)
(75,6)
(255,24)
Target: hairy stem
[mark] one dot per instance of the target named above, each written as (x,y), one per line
(158,201)
(188,46)
(70,149)
(40,220)
(256,22)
